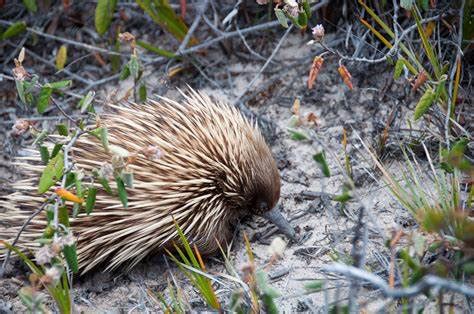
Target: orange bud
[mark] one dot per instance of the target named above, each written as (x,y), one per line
(346,76)
(314,71)
(63,193)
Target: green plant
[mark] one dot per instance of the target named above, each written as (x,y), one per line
(191,264)
(435,199)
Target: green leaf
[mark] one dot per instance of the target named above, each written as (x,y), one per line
(44,99)
(104,136)
(161,13)
(407,4)
(70,179)
(90,201)
(142,92)
(398,68)
(468,268)
(44,154)
(104,12)
(63,216)
(20,87)
(105,184)
(30,5)
(344,197)
(134,66)
(128,179)
(70,253)
(115,59)
(125,73)
(14,29)
(56,149)
(62,129)
(297,135)
(282,19)
(158,51)
(411,262)
(40,137)
(307,8)
(78,184)
(424,103)
(313,286)
(85,101)
(59,84)
(320,158)
(51,173)
(302,19)
(121,191)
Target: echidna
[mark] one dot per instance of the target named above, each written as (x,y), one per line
(215,168)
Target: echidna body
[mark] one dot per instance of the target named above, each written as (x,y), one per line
(215,168)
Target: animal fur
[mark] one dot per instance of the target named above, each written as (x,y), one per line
(215,168)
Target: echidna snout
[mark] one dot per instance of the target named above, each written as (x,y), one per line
(214,168)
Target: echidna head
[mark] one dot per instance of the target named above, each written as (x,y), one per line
(265,193)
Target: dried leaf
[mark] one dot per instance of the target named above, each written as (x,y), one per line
(21,55)
(429,28)
(420,80)
(296,107)
(312,118)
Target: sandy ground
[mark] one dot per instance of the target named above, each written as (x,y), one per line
(327,227)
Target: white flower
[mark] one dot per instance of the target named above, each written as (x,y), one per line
(106,170)
(53,273)
(318,32)
(44,255)
(66,240)
(292,10)
(291,3)
(277,247)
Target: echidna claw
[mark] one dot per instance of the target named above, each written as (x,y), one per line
(283,225)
